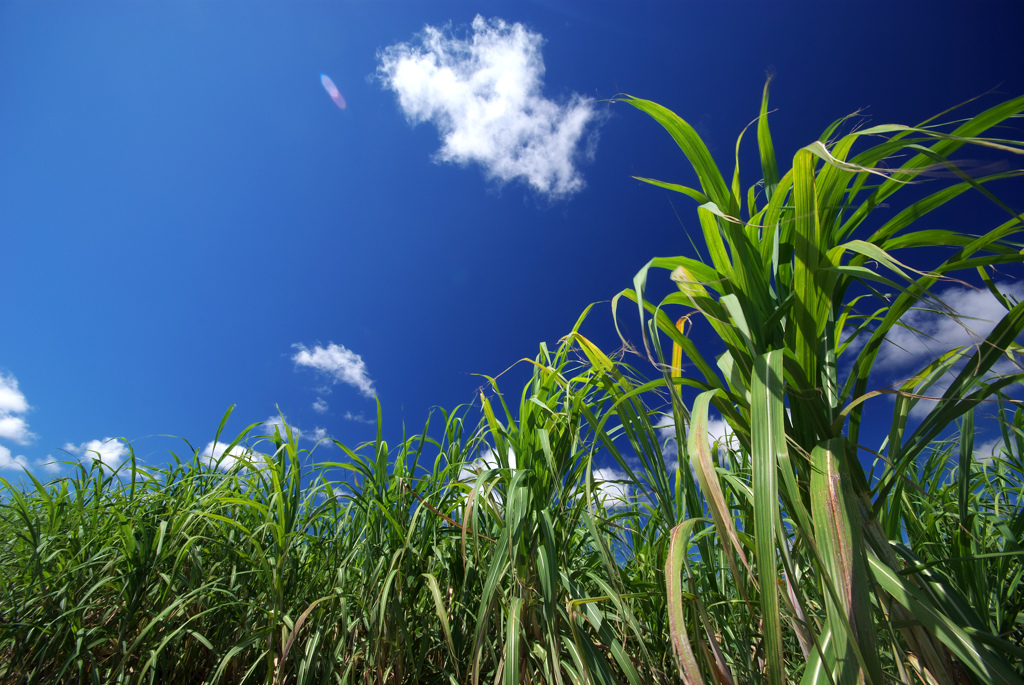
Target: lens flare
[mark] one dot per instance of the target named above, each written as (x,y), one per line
(332,90)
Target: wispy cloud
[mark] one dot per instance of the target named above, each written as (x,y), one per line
(928,334)
(856,340)
(986,451)
(320,406)
(13,402)
(1005,366)
(342,365)
(484,95)
(110,451)
(318,435)
(358,418)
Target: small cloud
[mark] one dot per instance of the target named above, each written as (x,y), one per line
(109,451)
(612,488)
(9,461)
(214,455)
(277,422)
(719,435)
(341,364)
(666,428)
(320,406)
(50,464)
(484,95)
(320,436)
(12,401)
(986,451)
(15,428)
(488,459)
(359,418)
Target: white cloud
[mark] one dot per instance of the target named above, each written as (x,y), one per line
(8,461)
(320,406)
(484,96)
(15,428)
(855,343)
(110,451)
(610,491)
(338,362)
(277,422)
(719,434)
(1002,367)
(50,464)
(986,451)
(976,314)
(12,401)
(488,459)
(667,436)
(358,418)
(213,454)
(317,435)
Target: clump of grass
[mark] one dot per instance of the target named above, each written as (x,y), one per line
(490,551)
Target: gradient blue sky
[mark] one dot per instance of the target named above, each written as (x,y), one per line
(184,211)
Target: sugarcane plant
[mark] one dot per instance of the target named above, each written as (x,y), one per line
(801,287)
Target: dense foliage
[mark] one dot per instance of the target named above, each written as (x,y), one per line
(498,552)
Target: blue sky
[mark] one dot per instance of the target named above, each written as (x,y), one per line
(187,220)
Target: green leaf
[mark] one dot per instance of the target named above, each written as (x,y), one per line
(768,445)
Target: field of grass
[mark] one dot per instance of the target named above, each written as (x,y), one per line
(490,548)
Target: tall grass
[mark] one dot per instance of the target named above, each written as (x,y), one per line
(494,550)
